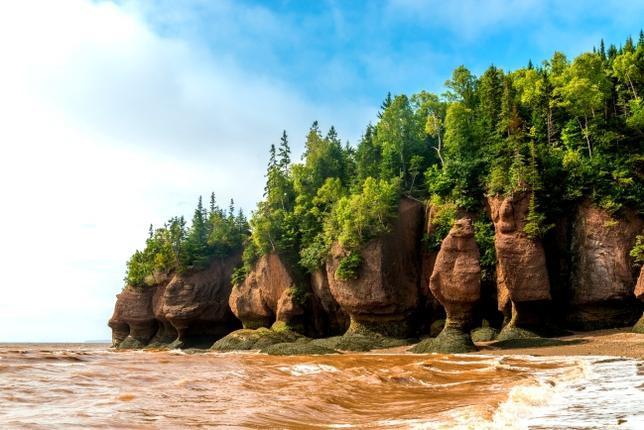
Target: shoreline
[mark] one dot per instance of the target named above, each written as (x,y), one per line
(619,342)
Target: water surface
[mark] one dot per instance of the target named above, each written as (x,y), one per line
(90,386)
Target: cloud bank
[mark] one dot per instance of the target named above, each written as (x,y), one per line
(108,126)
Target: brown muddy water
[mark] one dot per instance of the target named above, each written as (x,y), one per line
(89,386)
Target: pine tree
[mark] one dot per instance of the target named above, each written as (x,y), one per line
(270,171)
(197,252)
(284,153)
(602,50)
(612,52)
(385,104)
(231,209)
(213,203)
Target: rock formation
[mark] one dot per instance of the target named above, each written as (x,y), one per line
(336,319)
(429,308)
(602,278)
(522,277)
(639,295)
(196,304)
(133,323)
(257,300)
(403,289)
(189,309)
(386,292)
(456,284)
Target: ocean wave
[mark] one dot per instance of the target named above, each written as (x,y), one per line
(308,369)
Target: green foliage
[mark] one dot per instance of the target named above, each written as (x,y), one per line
(175,248)
(349,267)
(443,217)
(484,237)
(535,226)
(360,217)
(312,256)
(638,250)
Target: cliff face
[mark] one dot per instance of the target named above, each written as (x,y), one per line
(522,276)
(456,279)
(386,292)
(337,319)
(189,309)
(255,301)
(456,284)
(196,304)
(402,286)
(133,323)
(269,295)
(602,279)
(639,294)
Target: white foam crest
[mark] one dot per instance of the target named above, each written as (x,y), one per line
(609,395)
(308,369)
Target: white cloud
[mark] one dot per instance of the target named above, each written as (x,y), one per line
(107,127)
(469,18)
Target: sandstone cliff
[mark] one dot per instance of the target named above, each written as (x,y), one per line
(456,284)
(602,279)
(639,295)
(522,276)
(386,292)
(270,295)
(188,309)
(402,287)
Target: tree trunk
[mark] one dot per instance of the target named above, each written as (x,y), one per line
(549,125)
(586,134)
(631,84)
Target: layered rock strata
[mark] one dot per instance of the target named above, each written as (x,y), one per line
(523,286)
(456,284)
(386,292)
(602,279)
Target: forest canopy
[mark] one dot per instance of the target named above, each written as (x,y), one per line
(562,131)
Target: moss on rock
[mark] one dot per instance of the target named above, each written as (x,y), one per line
(360,342)
(436,327)
(511,332)
(247,339)
(484,334)
(385,328)
(297,348)
(131,343)
(639,326)
(449,341)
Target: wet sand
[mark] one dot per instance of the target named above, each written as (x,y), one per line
(612,342)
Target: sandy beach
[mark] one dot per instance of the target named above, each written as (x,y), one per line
(612,342)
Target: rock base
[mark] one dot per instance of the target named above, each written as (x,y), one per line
(297,348)
(450,341)
(512,332)
(484,334)
(639,325)
(360,342)
(247,339)
(603,315)
(384,327)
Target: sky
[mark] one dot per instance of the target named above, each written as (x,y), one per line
(118,114)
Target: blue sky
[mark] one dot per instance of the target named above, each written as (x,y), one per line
(332,50)
(119,114)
